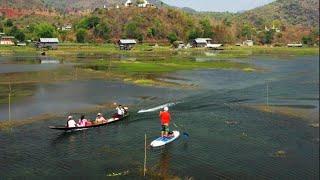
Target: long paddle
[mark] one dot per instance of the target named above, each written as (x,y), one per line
(185,134)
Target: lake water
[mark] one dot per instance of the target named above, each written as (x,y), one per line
(229,137)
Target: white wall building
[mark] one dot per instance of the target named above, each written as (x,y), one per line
(248,43)
(144,4)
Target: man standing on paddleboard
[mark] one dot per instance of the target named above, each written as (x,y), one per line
(165,120)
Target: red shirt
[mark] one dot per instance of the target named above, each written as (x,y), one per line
(165,117)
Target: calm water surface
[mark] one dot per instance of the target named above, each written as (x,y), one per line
(245,149)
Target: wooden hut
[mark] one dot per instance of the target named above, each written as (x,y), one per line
(201,42)
(50,43)
(126,44)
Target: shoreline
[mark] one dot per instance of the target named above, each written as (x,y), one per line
(67,49)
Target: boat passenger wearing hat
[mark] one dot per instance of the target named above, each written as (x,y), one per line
(165,121)
(71,122)
(100,119)
(120,111)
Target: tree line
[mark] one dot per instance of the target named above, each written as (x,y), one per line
(153,25)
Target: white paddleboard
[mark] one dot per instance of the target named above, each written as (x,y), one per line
(161,141)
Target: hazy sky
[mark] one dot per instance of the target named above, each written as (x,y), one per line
(218,5)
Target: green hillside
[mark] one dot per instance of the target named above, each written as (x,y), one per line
(291,12)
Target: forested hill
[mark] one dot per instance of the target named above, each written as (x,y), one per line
(63,5)
(291,12)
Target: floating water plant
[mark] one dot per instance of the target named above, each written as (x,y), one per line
(113,174)
(280,153)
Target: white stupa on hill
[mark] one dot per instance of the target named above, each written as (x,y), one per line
(128,3)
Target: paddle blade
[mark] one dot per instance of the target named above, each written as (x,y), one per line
(186,135)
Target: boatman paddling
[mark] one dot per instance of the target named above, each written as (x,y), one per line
(165,121)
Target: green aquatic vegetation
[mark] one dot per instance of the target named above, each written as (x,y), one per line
(280,154)
(17,92)
(17,50)
(15,123)
(171,65)
(113,174)
(301,113)
(147,72)
(262,50)
(60,74)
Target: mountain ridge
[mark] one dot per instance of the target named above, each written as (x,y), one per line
(63,5)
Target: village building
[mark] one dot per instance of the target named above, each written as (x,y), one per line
(21,44)
(50,43)
(7,40)
(66,28)
(215,46)
(266,28)
(295,45)
(201,42)
(248,43)
(126,44)
(272,28)
(144,4)
(275,29)
(179,44)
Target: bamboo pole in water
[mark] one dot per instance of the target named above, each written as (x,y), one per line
(9,98)
(145,155)
(76,73)
(267,95)
(267,83)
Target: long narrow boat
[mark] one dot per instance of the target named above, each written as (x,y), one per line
(109,121)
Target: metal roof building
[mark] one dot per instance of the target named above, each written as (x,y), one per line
(50,43)
(49,40)
(201,42)
(126,44)
(127,41)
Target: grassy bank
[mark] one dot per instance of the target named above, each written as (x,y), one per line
(264,50)
(79,50)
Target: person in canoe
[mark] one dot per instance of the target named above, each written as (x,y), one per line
(100,119)
(84,122)
(71,122)
(165,118)
(120,111)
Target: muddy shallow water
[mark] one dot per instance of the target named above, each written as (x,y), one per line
(232,134)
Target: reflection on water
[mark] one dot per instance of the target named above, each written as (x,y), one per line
(164,163)
(14,64)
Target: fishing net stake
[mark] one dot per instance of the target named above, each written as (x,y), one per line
(145,155)
(9,99)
